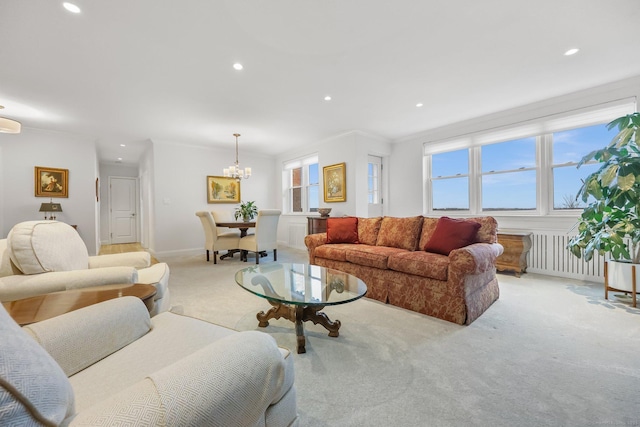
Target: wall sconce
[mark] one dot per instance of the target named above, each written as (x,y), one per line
(50,207)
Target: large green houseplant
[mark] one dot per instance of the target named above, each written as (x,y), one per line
(611,219)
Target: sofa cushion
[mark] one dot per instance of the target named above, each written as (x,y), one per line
(336,252)
(425,264)
(488,231)
(402,233)
(428,227)
(452,234)
(42,246)
(371,256)
(342,230)
(33,387)
(368,229)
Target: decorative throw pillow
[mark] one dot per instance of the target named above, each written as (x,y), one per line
(342,230)
(33,387)
(452,234)
(368,230)
(402,233)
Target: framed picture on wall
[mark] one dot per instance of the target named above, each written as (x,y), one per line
(51,182)
(221,189)
(335,183)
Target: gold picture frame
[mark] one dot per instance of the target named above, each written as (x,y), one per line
(222,189)
(51,182)
(335,182)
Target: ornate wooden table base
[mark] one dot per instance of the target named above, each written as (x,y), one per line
(299,314)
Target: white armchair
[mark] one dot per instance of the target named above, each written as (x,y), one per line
(111,364)
(266,237)
(213,241)
(40,257)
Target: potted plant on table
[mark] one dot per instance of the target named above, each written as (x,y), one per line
(611,223)
(246,211)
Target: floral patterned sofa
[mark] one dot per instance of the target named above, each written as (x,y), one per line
(440,267)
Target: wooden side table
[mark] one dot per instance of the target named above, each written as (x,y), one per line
(316,224)
(516,246)
(42,307)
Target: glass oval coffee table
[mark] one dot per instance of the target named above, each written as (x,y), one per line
(298,292)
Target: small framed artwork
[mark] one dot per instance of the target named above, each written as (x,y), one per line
(335,183)
(51,182)
(221,189)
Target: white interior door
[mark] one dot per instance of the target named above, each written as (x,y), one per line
(374,183)
(123,210)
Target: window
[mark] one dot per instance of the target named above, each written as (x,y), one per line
(373,179)
(450,180)
(509,175)
(568,148)
(301,182)
(527,168)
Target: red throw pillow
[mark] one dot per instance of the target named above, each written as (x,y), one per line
(342,230)
(452,234)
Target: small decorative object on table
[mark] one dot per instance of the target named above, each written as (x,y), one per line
(246,211)
(324,212)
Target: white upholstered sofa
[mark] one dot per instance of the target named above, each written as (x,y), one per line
(111,364)
(40,257)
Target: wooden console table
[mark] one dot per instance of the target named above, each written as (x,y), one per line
(316,224)
(516,246)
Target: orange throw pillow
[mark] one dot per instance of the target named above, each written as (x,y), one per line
(342,230)
(452,234)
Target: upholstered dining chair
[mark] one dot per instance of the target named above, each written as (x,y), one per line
(224,216)
(213,241)
(266,237)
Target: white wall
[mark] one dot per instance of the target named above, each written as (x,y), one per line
(180,178)
(351,148)
(33,147)
(2,185)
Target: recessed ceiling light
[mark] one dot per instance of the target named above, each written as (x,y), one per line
(572,51)
(71,7)
(327,98)
(120,158)
(237,66)
(123,145)
(419,104)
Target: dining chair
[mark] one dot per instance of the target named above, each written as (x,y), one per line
(266,237)
(224,216)
(215,242)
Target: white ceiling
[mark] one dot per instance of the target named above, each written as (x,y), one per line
(129,71)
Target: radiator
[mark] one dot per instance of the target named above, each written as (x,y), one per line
(549,255)
(297,232)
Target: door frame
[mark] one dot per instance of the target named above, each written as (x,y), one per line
(137,222)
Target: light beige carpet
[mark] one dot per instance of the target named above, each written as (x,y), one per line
(549,352)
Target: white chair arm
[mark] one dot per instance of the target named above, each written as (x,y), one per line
(80,338)
(127,259)
(23,286)
(228,383)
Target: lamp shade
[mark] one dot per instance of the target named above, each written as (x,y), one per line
(9,126)
(50,207)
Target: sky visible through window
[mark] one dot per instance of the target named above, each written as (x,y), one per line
(509,174)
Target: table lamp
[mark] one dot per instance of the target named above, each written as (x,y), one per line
(50,207)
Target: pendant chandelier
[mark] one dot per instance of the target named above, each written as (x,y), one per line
(234,171)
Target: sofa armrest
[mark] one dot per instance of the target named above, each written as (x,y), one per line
(312,241)
(80,338)
(27,285)
(230,382)
(476,258)
(127,259)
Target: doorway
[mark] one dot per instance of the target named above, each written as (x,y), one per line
(123,210)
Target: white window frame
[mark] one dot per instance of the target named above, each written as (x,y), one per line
(287,187)
(543,129)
